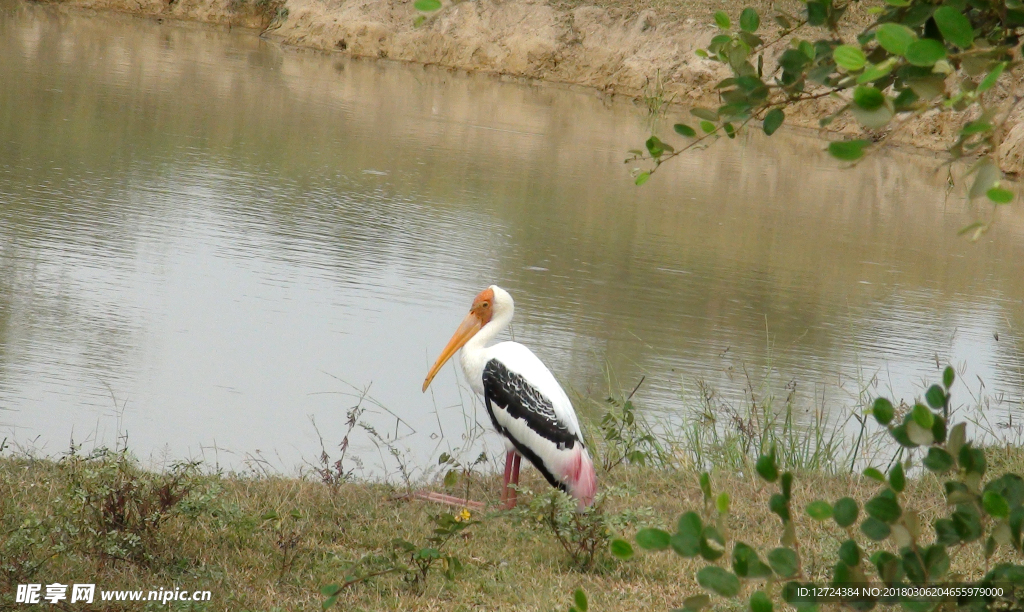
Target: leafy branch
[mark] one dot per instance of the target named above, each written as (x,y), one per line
(915,57)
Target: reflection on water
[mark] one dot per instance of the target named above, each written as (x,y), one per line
(200,233)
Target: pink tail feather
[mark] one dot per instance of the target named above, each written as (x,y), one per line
(580,477)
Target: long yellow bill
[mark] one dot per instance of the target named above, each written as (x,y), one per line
(469,327)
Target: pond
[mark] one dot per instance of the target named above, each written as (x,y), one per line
(208,241)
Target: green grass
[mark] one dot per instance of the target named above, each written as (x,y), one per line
(271,543)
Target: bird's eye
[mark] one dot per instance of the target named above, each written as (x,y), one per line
(486,304)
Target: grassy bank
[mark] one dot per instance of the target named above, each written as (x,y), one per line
(271,543)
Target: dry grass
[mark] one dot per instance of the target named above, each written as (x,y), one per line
(220,539)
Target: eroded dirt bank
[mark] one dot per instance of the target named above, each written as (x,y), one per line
(631,54)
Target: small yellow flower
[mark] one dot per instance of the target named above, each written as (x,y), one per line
(462,516)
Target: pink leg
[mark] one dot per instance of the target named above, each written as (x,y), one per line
(508,474)
(510,501)
(441,498)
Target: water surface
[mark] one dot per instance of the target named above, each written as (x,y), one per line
(205,239)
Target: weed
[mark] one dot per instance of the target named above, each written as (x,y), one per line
(627,436)
(333,473)
(654,99)
(412,560)
(458,469)
(893,540)
(719,434)
(288,530)
(583,534)
(116,507)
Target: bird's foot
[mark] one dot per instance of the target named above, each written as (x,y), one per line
(441,498)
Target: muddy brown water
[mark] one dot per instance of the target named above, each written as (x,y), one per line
(205,239)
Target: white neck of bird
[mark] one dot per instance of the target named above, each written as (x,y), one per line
(499,321)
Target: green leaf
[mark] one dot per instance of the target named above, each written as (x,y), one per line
(873,73)
(707,126)
(621,549)
(819,510)
(1000,195)
(690,524)
(995,504)
(685,546)
(873,119)
(990,79)
(897,480)
(696,602)
(936,561)
(967,524)
(710,536)
(987,175)
(780,506)
(957,437)
(848,150)
(948,375)
(759,602)
(894,38)
(784,561)
(874,474)
(722,20)
(938,460)
(849,553)
(766,467)
(451,478)
(955,26)
(850,57)
(817,12)
(923,416)
(684,130)
(746,563)
(650,538)
(581,600)
(718,580)
(705,488)
(655,147)
(976,127)
(642,178)
(845,512)
(875,529)
(722,503)
(883,411)
(703,113)
(925,52)
(773,120)
(935,397)
(750,21)
(867,97)
(686,542)
(883,508)
(972,459)
(945,533)
(427,6)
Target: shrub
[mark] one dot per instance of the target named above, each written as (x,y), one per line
(989,514)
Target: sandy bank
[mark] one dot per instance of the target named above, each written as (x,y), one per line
(615,52)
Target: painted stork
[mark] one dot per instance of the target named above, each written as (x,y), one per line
(525,402)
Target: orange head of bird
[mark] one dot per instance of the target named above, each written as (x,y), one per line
(479,315)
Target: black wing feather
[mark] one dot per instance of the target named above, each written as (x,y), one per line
(522,400)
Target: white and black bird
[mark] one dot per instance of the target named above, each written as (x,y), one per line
(526,404)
